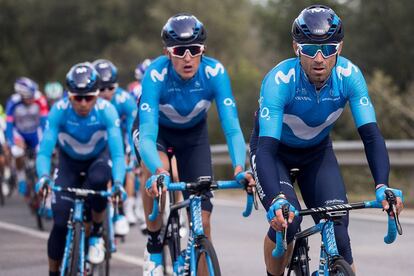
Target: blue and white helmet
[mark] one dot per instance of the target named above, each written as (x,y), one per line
(108,73)
(82,78)
(141,68)
(25,87)
(317,24)
(183,29)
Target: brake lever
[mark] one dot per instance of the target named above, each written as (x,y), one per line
(255,201)
(392,202)
(285,212)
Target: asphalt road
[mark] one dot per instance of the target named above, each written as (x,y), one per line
(238,242)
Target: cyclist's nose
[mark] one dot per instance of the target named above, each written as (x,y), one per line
(319,57)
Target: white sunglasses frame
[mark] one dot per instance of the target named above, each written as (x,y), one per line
(171,49)
(301,45)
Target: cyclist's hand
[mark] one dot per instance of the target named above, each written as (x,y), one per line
(275,214)
(117,188)
(44,180)
(245,176)
(151,186)
(380,197)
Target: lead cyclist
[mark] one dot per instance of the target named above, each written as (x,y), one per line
(300,99)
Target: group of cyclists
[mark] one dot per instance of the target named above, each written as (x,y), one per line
(108,134)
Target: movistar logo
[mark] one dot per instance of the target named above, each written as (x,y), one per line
(212,72)
(280,76)
(121,98)
(346,72)
(156,76)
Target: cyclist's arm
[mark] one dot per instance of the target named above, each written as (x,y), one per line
(44,110)
(115,143)
(273,98)
(131,113)
(364,116)
(227,111)
(148,123)
(9,122)
(48,142)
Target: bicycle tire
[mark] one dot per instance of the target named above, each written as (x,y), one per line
(205,249)
(301,266)
(340,267)
(172,241)
(74,254)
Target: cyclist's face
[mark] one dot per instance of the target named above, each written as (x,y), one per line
(318,69)
(107,92)
(83,106)
(187,66)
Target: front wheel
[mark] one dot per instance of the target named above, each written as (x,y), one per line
(340,267)
(206,258)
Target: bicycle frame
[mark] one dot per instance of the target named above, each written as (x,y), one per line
(77,216)
(329,250)
(186,263)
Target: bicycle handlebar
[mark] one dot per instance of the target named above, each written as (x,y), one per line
(203,184)
(393,223)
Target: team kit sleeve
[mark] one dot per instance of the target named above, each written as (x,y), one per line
(148,122)
(131,113)
(227,111)
(116,146)
(365,120)
(9,122)
(48,142)
(273,98)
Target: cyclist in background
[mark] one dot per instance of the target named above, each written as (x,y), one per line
(85,126)
(26,113)
(53,92)
(135,88)
(177,90)
(300,99)
(127,110)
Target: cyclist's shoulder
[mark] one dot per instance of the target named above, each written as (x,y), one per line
(346,69)
(283,74)
(212,70)
(157,70)
(105,108)
(122,96)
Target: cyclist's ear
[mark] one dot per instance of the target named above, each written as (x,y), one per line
(295,48)
(340,48)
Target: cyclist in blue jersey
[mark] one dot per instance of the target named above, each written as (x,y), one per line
(127,111)
(85,127)
(300,99)
(177,90)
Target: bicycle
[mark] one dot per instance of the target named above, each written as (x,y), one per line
(186,262)
(330,262)
(74,261)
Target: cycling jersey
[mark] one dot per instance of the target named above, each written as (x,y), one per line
(294,112)
(83,138)
(173,102)
(26,119)
(127,111)
(135,89)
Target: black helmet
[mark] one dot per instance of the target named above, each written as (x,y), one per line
(183,29)
(317,24)
(108,73)
(82,78)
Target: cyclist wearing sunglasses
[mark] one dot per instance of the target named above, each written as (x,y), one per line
(177,90)
(300,100)
(85,127)
(127,110)
(26,112)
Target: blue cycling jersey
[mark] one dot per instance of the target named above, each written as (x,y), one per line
(82,138)
(127,110)
(294,112)
(173,102)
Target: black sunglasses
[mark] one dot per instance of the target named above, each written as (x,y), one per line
(80,98)
(106,88)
